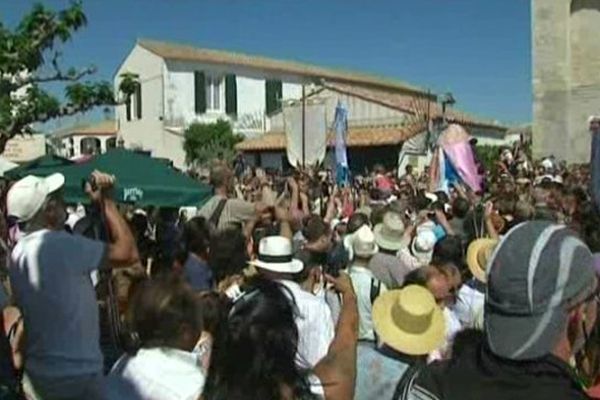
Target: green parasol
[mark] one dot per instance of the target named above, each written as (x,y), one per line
(42,166)
(141,180)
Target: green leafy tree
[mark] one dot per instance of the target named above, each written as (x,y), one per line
(204,143)
(488,155)
(30,60)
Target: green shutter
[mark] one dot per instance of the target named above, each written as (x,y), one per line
(128,108)
(199,92)
(138,101)
(230,95)
(273,95)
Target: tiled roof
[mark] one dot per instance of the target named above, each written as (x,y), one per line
(357,137)
(175,51)
(104,128)
(410,104)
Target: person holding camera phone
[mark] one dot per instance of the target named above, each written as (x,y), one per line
(51,275)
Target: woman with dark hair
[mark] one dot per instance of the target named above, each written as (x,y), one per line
(254,356)
(195,239)
(166,324)
(228,256)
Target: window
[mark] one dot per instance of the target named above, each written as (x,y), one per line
(214,93)
(90,145)
(134,104)
(128,109)
(138,101)
(111,143)
(199,92)
(273,95)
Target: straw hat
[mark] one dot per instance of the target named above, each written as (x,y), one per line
(363,242)
(388,234)
(409,320)
(478,254)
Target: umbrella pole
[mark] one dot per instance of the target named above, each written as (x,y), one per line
(303,128)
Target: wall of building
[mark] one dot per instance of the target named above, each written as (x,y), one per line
(566,82)
(584,46)
(25,148)
(488,136)
(147,133)
(74,142)
(250,120)
(360,112)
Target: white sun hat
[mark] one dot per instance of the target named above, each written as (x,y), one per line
(275,255)
(363,242)
(389,233)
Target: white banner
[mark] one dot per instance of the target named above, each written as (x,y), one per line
(315,133)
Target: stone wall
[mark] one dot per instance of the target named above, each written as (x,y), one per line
(566,76)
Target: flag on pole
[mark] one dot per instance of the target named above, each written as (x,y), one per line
(340,125)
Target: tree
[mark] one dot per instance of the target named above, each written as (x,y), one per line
(206,142)
(30,60)
(488,155)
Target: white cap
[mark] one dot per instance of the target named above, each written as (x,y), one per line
(26,197)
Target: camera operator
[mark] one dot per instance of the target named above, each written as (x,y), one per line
(51,279)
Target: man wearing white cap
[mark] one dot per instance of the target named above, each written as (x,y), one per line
(50,272)
(366,285)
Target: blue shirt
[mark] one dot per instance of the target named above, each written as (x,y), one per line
(197,273)
(377,375)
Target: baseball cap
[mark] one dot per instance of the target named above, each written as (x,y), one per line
(535,272)
(26,197)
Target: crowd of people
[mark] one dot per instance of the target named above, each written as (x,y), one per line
(292,287)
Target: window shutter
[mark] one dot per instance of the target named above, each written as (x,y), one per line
(128,108)
(199,92)
(230,95)
(273,94)
(138,101)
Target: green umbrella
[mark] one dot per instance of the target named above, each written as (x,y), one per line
(42,166)
(141,180)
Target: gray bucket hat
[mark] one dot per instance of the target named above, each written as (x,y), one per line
(537,269)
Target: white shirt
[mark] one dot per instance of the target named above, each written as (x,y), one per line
(315,325)
(50,277)
(469,306)
(159,373)
(362,279)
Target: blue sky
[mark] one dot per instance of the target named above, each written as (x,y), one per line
(477,49)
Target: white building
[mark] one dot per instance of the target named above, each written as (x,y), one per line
(83,140)
(180,85)
(385,126)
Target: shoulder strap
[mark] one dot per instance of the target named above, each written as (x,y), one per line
(406,382)
(216,215)
(375,289)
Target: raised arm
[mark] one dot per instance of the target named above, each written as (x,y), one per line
(122,249)
(337,371)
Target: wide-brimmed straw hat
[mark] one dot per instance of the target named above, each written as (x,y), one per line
(478,255)
(409,320)
(275,254)
(388,234)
